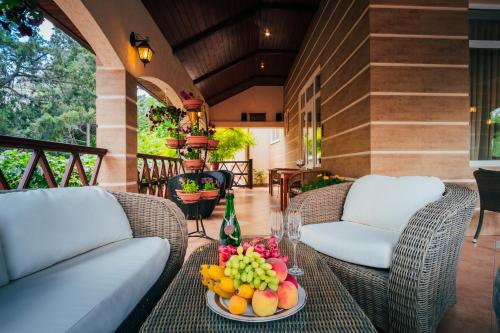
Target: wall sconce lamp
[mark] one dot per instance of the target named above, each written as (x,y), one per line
(143,49)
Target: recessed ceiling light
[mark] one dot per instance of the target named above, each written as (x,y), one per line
(267,32)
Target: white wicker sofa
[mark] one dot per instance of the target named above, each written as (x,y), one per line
(85,260)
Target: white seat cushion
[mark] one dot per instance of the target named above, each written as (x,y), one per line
(389,202)
(42,227)
(93,292)
(352,242)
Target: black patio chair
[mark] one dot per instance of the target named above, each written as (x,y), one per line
(222,181)
(229,178)
(488,184)
(206,206)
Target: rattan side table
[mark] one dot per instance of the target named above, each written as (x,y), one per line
(329,308)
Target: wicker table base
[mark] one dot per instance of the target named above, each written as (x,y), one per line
(329,307)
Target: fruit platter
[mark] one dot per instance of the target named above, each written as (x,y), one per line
(251,283)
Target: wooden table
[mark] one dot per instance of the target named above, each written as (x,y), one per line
(329,306)
(272,173)
(285,176)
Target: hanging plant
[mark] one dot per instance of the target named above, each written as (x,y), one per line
(23,14)
(161,114)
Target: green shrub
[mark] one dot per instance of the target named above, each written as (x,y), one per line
(14,161)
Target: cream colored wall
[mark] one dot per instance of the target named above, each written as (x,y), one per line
(255,99)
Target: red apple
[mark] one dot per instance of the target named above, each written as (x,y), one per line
(293,280)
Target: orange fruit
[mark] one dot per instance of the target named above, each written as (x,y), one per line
(237,305)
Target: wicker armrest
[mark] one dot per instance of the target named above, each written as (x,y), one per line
(321,205)
(152,216)
(422,276)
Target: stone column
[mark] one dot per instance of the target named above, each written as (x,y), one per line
(117,128)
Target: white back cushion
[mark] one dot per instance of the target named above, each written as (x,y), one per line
(42,227)
(389,202)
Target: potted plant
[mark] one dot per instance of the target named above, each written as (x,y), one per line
(176,138)
(215,159)
(190,192)
(210,189)
(212,142)
(192,159)
(197,137)
(190,102)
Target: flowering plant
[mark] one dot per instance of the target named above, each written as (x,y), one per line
(209,184)
(161,114)
(177,133)
(191,154)
(196,130)
(266,247)
(211,132)
(322,181)
(185,95)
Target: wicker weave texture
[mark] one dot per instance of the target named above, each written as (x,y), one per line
(420,286)
(329,306)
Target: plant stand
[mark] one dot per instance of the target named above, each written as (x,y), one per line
(200,227)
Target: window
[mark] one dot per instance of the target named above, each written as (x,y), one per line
(310,122)
(484,85)
(276,134)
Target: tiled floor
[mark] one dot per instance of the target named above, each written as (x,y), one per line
(475,272)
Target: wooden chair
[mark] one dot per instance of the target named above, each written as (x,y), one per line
(488,184)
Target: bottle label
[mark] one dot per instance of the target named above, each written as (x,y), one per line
(229,229)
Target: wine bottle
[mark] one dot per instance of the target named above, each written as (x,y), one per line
(230,233)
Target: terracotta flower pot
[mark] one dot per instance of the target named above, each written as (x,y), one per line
(209,194)
(188,197)
(213,143)
(215,166)
(197,141)
(193,103)
(176,143)
(193,164)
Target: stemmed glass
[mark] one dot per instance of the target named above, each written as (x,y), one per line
(276,225)
(294,227)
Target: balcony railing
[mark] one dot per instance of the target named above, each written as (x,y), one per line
(242,171)
(39,150)
(154,171)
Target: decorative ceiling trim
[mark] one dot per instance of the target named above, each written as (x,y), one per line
(256,53)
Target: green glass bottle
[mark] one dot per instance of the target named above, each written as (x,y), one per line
(230,233)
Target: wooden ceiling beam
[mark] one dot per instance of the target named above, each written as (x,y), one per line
(256,53)
(238,18)
(261,80)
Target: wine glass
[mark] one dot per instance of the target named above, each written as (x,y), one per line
(294,228)
(276,225)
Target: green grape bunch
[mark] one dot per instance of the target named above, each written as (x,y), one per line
(251,268)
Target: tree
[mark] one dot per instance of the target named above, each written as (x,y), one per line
(47,88)
(231,141)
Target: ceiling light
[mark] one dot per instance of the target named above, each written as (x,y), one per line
(267,32)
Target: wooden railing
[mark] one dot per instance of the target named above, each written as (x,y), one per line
(39,158)
(242,171)
(154,173)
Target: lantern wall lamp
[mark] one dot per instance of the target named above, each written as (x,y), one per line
(142,45)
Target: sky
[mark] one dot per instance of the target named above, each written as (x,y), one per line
(46,29)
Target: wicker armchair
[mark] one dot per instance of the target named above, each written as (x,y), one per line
(152,216)
(414,294)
